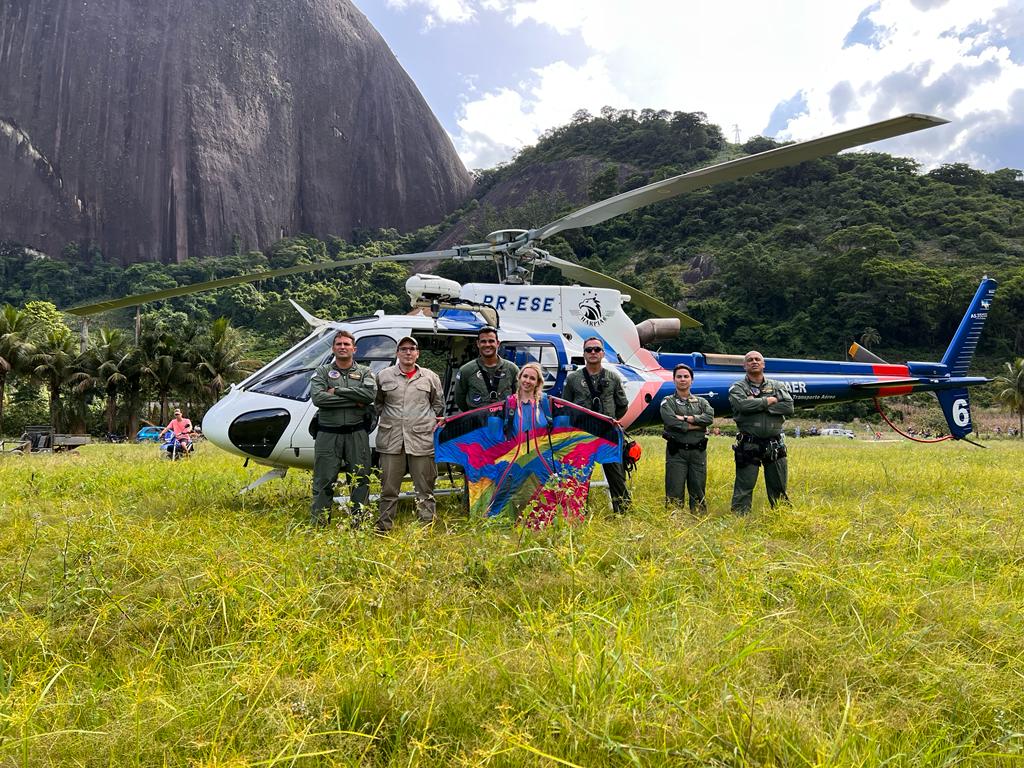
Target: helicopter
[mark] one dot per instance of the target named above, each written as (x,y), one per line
(267,417)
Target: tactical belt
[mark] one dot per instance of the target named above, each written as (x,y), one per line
(752,450)
(674,446)
(351,428)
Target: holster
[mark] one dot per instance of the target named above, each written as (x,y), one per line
(755,451)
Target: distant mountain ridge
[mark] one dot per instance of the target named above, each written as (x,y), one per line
(168,129)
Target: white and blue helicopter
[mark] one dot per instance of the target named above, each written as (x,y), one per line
(267,416)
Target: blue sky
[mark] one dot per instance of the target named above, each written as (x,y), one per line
(498,72)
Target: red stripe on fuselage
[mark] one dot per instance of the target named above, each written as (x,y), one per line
(890,370)
(893,391)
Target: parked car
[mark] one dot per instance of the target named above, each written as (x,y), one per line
(148,435)
(833,432)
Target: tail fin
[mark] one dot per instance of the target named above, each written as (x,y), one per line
(961,349)
(956,407)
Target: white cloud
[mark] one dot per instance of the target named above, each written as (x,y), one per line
(513,118)
(737,60)
(439,11)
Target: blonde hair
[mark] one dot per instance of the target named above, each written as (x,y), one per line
(540,377)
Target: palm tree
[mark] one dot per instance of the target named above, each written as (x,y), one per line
(133,388)
(1012,394)
(15,348)
(163,366)
(108,362)
(870,338)
(56,363)
(219,361)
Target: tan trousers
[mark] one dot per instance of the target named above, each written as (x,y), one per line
(393,467)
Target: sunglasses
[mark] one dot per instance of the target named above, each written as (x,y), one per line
(593,349)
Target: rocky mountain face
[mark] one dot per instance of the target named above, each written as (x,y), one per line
(169,129)
(563,182)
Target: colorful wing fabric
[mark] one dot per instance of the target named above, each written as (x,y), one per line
(526,463)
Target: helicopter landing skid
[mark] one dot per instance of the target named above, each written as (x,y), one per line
(275,474)
(405,495)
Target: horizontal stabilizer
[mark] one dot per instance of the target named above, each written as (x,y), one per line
(859,354)
(875,385)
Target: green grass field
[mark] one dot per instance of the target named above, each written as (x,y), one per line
(149,616)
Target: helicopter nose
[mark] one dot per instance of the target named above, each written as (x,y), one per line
(257,432)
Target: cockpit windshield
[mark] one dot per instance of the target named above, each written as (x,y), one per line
(289,376)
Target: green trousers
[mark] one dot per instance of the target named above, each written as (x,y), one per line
(686,471)
(775,477)
(615,474)
(333,454)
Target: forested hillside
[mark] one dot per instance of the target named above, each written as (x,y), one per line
(797,262)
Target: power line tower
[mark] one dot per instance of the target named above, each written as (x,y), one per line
(736,133)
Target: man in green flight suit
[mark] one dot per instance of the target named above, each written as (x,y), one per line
(760,407)
(686,418)
(489,378)
(343,391)
(602,392)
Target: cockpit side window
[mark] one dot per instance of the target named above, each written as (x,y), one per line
(289,376)
(521,353)
(377,352)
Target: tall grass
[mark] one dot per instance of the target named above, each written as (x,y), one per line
(150,615)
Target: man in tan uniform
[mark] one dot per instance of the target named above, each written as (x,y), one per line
(410,403)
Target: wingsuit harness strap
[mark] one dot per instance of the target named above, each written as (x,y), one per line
(508,415)
(755,451)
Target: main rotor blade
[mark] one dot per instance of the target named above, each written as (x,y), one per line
(225,282)
(656,307)
(791,154)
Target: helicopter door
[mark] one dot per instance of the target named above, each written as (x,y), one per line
(550,355)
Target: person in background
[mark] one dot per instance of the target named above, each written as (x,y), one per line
(181,430)
(179,425)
